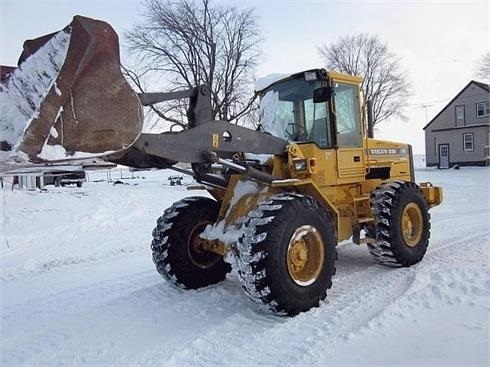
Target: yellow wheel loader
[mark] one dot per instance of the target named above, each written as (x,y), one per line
(281,197)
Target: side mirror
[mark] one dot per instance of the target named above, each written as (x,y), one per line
(322,94)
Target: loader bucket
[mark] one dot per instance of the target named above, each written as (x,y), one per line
(68,98)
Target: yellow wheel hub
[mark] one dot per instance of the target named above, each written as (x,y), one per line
(412,224)
(199,256)
(305,256)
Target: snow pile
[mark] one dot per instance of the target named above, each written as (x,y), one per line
(269,103)
(58,152)
(265,81)
(22,93)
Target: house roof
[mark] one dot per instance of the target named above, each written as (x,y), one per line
(484,86)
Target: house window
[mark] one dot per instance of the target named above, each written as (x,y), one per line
(482,109)
(460,115)
(468,142)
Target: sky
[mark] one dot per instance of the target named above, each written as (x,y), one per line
(438,42)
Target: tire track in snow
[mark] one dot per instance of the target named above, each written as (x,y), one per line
(35,314)
(361,293)
(8,275)
(250,337)
(458,214)
(437,283)
(184,317)
(139,306)
(29,320)
(454,243)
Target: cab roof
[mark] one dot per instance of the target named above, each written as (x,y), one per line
(272,79)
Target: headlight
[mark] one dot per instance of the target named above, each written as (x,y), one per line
(310,76)
(300,165)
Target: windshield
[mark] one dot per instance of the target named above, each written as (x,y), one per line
(288,112)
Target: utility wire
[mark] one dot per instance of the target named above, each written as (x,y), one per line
(422,104)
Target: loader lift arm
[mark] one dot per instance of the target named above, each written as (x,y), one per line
(195,144)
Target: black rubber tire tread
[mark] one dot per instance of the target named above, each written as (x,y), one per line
(387,204)
(169,245)
(262,250)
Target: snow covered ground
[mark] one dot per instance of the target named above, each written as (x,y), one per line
(78,287)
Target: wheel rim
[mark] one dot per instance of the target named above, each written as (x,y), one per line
(305,256)
(200,257)
(412,224)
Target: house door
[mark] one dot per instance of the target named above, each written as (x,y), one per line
(444,156)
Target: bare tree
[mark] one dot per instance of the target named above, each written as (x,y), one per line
(385,83)
(184,43)
(483,68)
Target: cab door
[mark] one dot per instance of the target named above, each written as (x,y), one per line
(348,131)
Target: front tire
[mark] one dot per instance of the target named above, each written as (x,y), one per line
(401,224)
(286,257)
(175,246)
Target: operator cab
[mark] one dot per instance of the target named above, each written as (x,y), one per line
(303,106)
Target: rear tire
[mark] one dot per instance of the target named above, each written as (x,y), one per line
(176,253)
(286,257)
(401,224)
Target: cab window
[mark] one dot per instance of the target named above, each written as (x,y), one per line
(347,115)
(318,123)
(288,112)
